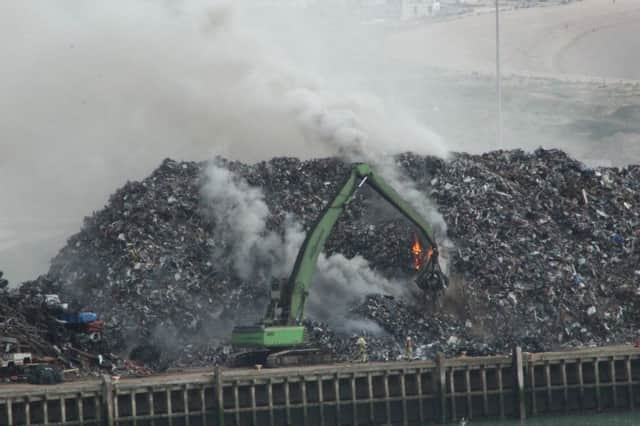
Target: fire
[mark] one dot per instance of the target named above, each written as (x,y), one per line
(417,252)
(420,255)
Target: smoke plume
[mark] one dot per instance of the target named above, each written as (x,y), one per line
(240,216)
(98,93)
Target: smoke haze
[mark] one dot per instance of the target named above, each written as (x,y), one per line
(240,213)
(97,93)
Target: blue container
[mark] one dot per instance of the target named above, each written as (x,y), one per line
(79,318)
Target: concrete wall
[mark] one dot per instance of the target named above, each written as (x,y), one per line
(518,385)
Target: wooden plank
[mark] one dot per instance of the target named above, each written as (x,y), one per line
(452,391)
(63,410)
(203,405)
(532,381)
(387,402)
(403,395)
(320,399)
(169,404)
(467,379)
(581,384)
(629,382)
(270,402)
(370,397)
(220,394)
(596,368)
(305,407)
(134,409)
(185,403)
(354,404)
(254,412)
(45,409)
(9,404)
(500,391)
(80,408)
(107,401)
(27,411)
(547,380)
(420,397)
(336,390)
(287,401)
(98,406)
(485,396)
(441,386)
(565,388)
(614,389)
(236,402)
(151,403)
(116,408)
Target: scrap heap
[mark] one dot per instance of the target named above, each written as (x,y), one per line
(547,250)
(16,321)
(545,254)
(32,317)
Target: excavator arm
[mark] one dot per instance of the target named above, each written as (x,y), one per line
(282,327)
(293,294)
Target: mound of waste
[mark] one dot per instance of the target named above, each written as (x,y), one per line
(545,253)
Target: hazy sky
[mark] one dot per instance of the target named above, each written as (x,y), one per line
(98,93)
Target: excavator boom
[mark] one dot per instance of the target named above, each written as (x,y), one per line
(282,325)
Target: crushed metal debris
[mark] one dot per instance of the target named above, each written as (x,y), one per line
(544,253)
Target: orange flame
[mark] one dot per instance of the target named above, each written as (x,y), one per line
(417,252)
(420,255)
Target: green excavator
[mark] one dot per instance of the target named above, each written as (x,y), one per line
(279,340)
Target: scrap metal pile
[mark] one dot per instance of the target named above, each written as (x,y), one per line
(547,250)
(545,254)
(33,326)
(17,322)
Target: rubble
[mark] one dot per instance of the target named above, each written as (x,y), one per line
(534,256)
(3,282)
(25,318)
(544,254)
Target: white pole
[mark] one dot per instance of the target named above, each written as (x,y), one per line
(498,76)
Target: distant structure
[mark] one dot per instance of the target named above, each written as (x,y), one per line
(286,3)
(416,9)
(394,9)
(367,10)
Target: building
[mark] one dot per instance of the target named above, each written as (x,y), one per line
(416,9)
(394,9)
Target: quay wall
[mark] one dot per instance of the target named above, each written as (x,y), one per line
(518,385)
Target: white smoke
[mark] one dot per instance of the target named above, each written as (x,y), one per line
(98,93)
(240,214)
(359,127)
(340,285)
(354,126)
